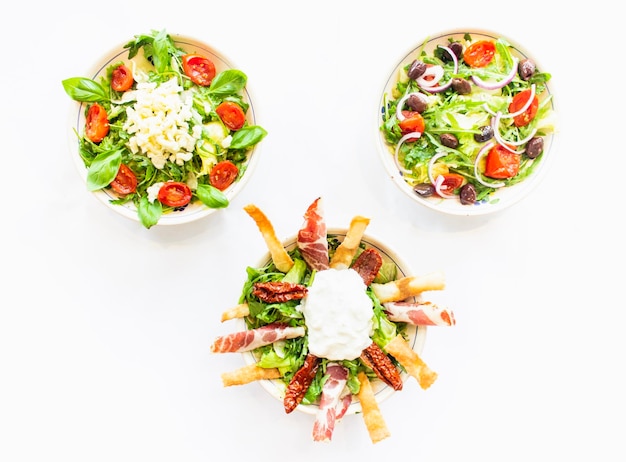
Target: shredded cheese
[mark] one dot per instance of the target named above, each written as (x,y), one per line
(158,122)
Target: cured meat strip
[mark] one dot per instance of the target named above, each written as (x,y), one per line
(419,314)
(300,383)
(330,400)
(250,339)
(312,237)
(367,265)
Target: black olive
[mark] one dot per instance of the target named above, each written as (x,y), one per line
(486,133)
(417,69)
(449,140)
(417,103)
(457,49)
(526,69)
(468,194)
(461,86)
(424,189)
(534,147)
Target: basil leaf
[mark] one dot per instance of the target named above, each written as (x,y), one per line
(85,90)
(228,82)
(149,212)
(211,196)
(103,169)
(247,136)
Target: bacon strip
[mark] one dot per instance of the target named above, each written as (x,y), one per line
(300,383)
(419,314)
(250,339)
(326,416)
(368,264)
(312,237)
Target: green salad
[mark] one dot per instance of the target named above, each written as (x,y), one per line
(466,117)
(164,128)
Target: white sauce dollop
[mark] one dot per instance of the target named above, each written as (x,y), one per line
(338,315)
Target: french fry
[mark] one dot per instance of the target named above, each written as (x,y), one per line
(247,374)
(237,311)
(280,257)
(347,249)
(410,360)
(372,416)
(400,289)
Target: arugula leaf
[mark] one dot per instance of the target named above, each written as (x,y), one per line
(85,90)
(103,169)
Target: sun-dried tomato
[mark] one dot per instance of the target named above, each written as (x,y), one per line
(279,292)
(379,362)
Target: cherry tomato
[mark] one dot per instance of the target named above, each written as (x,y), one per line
(501,163)
(199,69)
(174,194)
(125,182)
(451,181)
(231,114)
(518,102)
(413,122)
(223,174)
(97,123)
(480,53)
(122,78)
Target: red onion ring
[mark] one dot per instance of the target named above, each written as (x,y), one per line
(500,83)
(401,141)
(430,85)
(504,143)
(526,105)
(402,100)
(438,183)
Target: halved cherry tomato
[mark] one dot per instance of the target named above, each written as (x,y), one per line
(97,123)
(174,194)
(480,53)
(518,102)
(413,122)
(122,78)
(199,69)
(125,182)
(501,163)
(451,181)
(223,174)
(231,114)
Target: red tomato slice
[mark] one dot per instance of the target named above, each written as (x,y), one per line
(125,182)
(451,181)
(479,54)
(199,69)
(174,194)
(97,123)
(501,163)
(231,114)
(413,122)
(223,174)
(122,78)
(518,102)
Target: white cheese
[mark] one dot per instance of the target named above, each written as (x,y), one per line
(338,315)
(158,122)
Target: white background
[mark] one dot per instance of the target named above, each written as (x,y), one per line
(105,327)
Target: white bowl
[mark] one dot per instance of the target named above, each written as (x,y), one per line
(416,334)
(502,197)
(195,210)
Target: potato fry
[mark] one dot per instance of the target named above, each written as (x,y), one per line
(410,360)
(347,249)
(280,257)
(237,311)
(372,416)
(247,374)
(400,289)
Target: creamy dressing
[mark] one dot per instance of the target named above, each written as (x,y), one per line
(338,315)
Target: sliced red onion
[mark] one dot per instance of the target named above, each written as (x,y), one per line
(506,144)
(435,72)
(402,100)
(500,83)
(401,141)
(431,85)
(438,183)
(434,159)
(484,150)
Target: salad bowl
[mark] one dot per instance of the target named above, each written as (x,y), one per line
(139,63)
(416,334)
(441,157)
